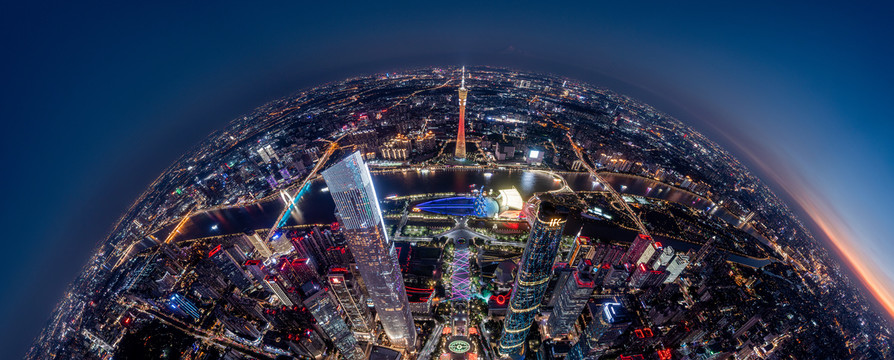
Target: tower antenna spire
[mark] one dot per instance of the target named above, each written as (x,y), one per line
(460,152)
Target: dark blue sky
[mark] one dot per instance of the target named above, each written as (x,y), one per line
(98,98)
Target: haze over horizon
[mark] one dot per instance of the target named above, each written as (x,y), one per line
(100,99)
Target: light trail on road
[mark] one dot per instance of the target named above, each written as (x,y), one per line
(578,150)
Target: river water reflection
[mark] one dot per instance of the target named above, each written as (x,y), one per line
(316,206)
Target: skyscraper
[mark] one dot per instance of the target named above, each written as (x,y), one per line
(346,291)
(616,276)
(324,309)
(461,131)
(581,249)
(273,284)
(533,275)
(225,259)
(640,275)
(676,267)
(637,248)
(603,325)
(573,295)
(358,211)
(258,243)
(651,251)
(663,260)
(314,244)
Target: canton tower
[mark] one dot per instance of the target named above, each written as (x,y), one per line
(461,132)
(358,210)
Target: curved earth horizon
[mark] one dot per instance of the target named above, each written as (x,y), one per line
(499,211)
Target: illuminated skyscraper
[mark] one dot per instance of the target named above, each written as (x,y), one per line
(324,309)
(274,285)
(461,131)
(358,211)
(581,249)
(602,326)
(533,275)
(255,240)
(651,252)
(572,296)
(346,291)
(637,248)
(663,260)
(676,267)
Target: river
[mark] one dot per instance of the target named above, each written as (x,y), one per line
(316,206)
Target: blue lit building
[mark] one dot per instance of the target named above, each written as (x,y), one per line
(533,275)
(603,324)
(478,206)
(183,306)
(351,187)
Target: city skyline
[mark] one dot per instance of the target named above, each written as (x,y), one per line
(102,102)
(491,270)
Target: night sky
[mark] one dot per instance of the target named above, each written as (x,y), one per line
(98,98)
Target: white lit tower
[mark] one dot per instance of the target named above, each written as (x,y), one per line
(461,131)
(358,211)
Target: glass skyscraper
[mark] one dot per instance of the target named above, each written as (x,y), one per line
(324,309)
(352,302)
(358,211)
(573,294)
(533,274)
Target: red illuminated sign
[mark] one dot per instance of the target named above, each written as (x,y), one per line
(665,354)
(643,333)
(214,251)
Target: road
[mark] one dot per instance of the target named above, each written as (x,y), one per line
(633,215)
(429,347)
(333,146)
(137,304)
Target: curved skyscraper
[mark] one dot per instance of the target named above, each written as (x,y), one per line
(358,211)
(533,276)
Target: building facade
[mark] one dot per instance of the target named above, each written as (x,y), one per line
(351,299)
(572,298)
(533,275)
(358,212)
(602,327)
(324,309)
